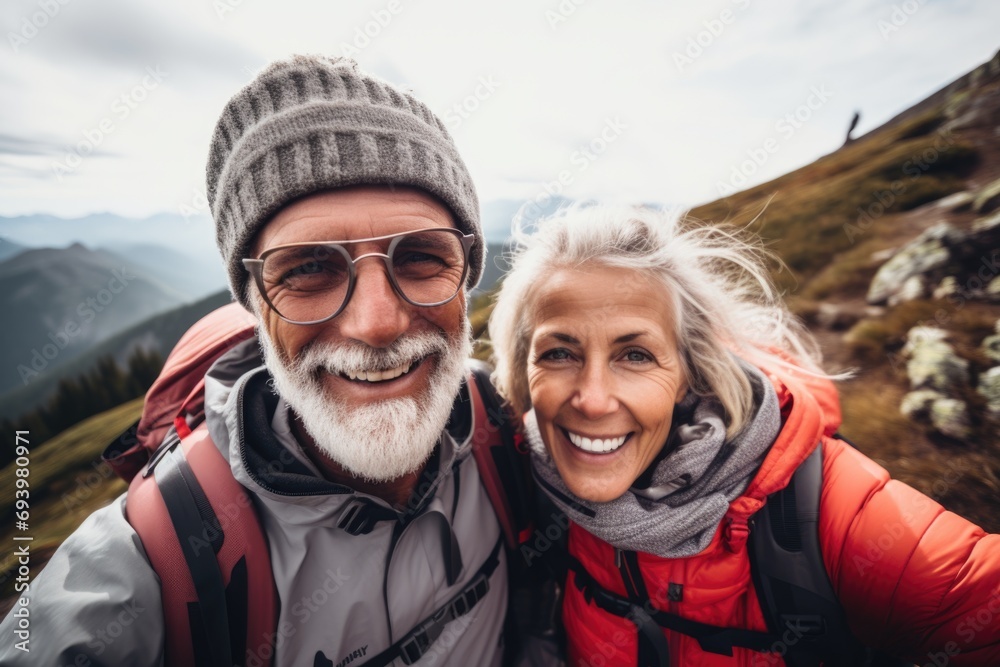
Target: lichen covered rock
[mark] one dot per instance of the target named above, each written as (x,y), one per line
(989,388)
(927,252)
(917,404)
(950,417)
(988,198)
(933,363)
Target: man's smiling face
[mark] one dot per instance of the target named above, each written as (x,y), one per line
(374,385)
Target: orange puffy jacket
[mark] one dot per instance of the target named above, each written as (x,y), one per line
(915,580)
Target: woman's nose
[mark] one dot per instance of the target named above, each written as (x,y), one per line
(594,397)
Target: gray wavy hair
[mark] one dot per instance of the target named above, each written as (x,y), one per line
(722,299)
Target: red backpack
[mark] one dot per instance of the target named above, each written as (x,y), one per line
(200,530)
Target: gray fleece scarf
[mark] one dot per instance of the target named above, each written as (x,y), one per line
(675,506)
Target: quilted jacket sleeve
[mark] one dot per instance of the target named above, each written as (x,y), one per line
(916,581)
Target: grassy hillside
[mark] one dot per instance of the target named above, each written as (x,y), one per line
(68,482)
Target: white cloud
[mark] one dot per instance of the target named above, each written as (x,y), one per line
(556,86)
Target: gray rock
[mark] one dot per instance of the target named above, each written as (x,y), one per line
(920,335)
(986,223)
(989,388)
(927,252)
(951,417)
(988,198)
(947,287)
(960,201)
(991,347)
(917,404)
(933,363)
(914,287)
(993,288)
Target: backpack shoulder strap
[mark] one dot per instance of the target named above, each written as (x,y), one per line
(790,578)
(501,458)
(203,538)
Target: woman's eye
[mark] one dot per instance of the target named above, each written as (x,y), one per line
(637,356)
(558,354)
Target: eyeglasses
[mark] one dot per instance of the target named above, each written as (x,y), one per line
(311,283)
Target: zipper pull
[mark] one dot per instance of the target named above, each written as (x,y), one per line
(618,558)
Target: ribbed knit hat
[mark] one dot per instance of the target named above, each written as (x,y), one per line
(313,123)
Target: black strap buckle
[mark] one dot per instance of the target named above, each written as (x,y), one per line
(420,639)
(805,625)
(413,647)
(470,598)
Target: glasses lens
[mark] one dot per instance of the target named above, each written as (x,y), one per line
(306,283)
(429,266)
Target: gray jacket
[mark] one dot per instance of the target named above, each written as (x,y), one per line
(344,598)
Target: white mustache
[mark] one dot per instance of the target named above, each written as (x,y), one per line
(357,358)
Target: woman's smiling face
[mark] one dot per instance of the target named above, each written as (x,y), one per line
(604,375)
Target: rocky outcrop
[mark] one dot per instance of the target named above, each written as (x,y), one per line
(988,199)
(991,345)
(936,373)
(989,388)
(950,417)
(933,363)
(956,261)
(938,377)
(926,253)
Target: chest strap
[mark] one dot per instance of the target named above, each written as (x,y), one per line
(412,646)
(711,638)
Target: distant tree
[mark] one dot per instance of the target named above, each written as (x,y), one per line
(106,385)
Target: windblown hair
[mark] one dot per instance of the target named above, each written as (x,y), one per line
(722,300)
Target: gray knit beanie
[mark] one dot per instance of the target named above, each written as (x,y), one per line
(313,123)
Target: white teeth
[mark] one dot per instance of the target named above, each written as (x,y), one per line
(596,445)
(379,376)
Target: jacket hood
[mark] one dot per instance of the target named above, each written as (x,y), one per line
(810,409)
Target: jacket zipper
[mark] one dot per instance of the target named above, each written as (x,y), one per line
(635,587)
(246,464)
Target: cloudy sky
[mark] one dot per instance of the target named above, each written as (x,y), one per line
(109,104)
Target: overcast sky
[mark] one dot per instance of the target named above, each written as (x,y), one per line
(109,104)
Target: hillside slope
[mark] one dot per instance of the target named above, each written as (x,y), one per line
(914,200)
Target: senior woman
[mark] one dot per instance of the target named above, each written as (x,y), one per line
(667,395)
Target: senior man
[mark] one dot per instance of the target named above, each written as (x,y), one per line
(350,226)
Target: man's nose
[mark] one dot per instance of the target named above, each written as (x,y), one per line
(594,396)
(375,315)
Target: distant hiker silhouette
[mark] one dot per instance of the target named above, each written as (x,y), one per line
(854,124)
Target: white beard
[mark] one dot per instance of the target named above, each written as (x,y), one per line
(383,440)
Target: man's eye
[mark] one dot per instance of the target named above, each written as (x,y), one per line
(311,268)
(416,258)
